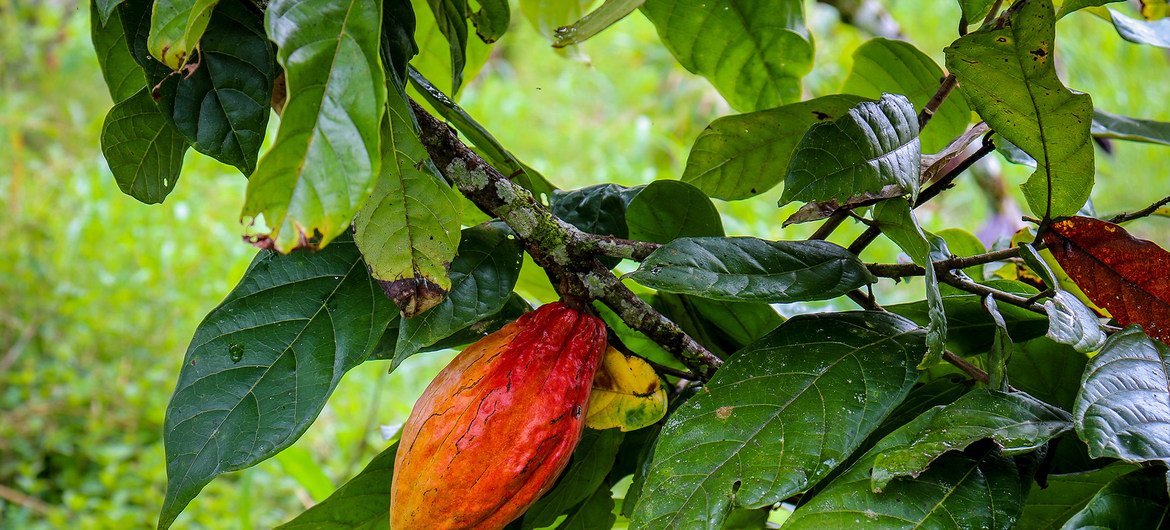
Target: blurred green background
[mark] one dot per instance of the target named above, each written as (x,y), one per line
(99,294)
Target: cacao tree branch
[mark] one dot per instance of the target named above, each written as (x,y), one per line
(902,270)
(953,280)
(556,246)
(1148,210)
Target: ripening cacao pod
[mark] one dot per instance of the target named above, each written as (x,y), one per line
(496,427)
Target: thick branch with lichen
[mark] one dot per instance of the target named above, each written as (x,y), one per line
(568,254)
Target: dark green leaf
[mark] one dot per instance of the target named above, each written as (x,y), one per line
(1050,507)
(105,8)
(962,243)
(969,328)
(744,155)
(1001,348)
(599,209)
(591,462)
(263,363)
(1152,32)
(755,434)
(512,310)
(1017,422)
(1071,322)
(1107,125)
(327,155)
(1135,500)
(753,51)
(596,512)
(897,67)
(746,269)
(957,492)
(122,74)
(899,224)
(363,503)
(483,275)
(1008,77)
(1124,405)
(398,44)
(491,21)
(1048,371)
(176,27)
(669,209)
(721,325)
(451,19)
(597,20)
(873,146)
(144,152)
(1075,5)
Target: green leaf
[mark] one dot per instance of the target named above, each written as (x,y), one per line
(1071,322)
(547,16)
(635,340)
(1075,5)
(1008,77)
(434,54)
(957,492)
(1135,500)
(513,308)
(596,512)
(176,27)
(746,269)
(1152,32)
(1017,423)
(668,209)
(1124,405)
(899,224)
(122,74)
(105,8)
(451,20)
(222,106)
(744,155)
(722,326)
(297,463)
(491,21)
(327,153)
(756,435)
(753,51)
(408,230)
(599,209)
(1108,125)
(1001,348)
(894,66)
(1064,496)
(363,503)
(873,146)
(595,22)
(962,243)
(1048,371)
(590,463)
(483,275)
(263,363)
(974,11)
(144,152)
(969,328)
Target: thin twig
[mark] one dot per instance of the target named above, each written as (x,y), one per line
(983,290)
(1148,210)
(826,229)
(975,372)
(902,270)
(27,501)
(945,88)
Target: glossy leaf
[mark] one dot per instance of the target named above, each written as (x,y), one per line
(894,66)
(627,394)
(599,209)
(1119,272)
(873,146)
(724,327)
(755,434)
(451,20)
(744,155)
(327,153)
(596,512)
(122,75)
(363,503)
(747,269)
(1008,77)
(513,308)
(899,224)
(434,53)
(105,8)
(144,152)
(483,275)
(1152,32)
(1107,125)
(969,327)
(957,492)
(1016,422)
(595,22)
(1123,408)
(1135,500)
(668,209)
(1065,495)
(175,29)
(1001,348)
(590,463)
(263,363)
(1070,322)
(753,51)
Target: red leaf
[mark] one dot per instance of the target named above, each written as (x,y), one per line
(1128,276)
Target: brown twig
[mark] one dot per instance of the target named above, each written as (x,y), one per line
(945,88)
(902,270)
(1148,210)
(983,290)
(975,372)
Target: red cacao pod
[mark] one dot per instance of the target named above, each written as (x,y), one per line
(496,427)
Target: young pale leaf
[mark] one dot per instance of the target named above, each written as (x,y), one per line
(1124,406)
(1007,75)
(753,51)
(144,152)
(363,503)
(451,20)
(627,394)
(1065,495)
(957,492)
(122,75)
(756,435)
(970,329)
(1108,125)
(1016,422)
(175,29)
(323,165)
(746,269)
(873,146)
(483,274)
(1070,322)
(1135,500)
(263,363)
(595,22)
(590,463)
(899,224)
(1153,32)
(668,209)
(744,155)
(546,17)
(894,66)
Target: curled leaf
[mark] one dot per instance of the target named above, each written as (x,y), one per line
(627,394)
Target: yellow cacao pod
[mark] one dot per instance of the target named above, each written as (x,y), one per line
(496,427)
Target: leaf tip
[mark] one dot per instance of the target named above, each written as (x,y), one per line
(414,295)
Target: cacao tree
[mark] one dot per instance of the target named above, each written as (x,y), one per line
(686,378)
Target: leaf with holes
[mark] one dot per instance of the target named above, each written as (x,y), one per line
(363,503)
(1007,75)
(263,363)
(753,51)
(755,434)
(1123,274)
(872,146)
(144,152)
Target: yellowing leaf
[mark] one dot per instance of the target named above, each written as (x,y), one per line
(627,394)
